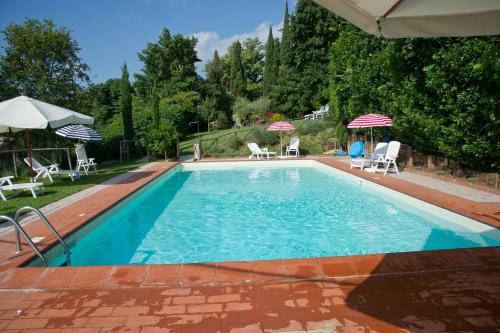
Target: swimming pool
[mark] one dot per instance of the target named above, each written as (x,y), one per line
(234,211)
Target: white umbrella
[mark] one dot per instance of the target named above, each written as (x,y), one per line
(420,18)
(24,113)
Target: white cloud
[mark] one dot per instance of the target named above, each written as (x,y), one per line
(209,41)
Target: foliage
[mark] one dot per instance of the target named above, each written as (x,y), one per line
(269,73)
(162,139)
(237,81)
(277,117)
(252,58)
(180,109)
(441,93)
(304,59)
(217,103)
(246,112)
(41,60)
(261,136)
(126,101)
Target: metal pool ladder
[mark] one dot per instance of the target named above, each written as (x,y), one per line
(20,230)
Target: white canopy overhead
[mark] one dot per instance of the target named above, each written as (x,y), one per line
(420,18)
(24,112)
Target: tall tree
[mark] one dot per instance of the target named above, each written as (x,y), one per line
(217,104)
(42,61)
(214,70)
(302,83)
(237,84)
(126,101)
(286,45)
(269,74)
(168,75)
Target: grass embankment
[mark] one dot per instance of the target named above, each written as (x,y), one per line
(62,187)
(314,136)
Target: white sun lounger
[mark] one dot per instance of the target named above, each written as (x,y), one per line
(389,158)
(48,171)
(293,147)
(21,186)
(82,161)
(256,151)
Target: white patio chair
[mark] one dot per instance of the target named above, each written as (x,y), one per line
(82,161)
(389,158)
(293,147)
(7,185)
(48,171)
(256,151)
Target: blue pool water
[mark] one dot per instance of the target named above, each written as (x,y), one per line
(264,211)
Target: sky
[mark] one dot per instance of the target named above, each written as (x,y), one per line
(112,32)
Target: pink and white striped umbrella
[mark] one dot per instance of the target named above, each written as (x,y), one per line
(281,126)
(370,120)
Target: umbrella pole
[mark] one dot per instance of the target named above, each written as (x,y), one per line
(371,134)
(30,157)
(281,143)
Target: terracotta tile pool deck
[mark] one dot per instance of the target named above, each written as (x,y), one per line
(433,291)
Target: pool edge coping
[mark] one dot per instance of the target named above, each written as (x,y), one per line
(8,272)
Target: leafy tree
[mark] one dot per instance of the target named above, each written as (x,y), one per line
(247,112)
(217,104)
(126,101)
(252,58)
(237,85)
(161,140)
(304,59)
(168,71)
(41,60)
(269,74)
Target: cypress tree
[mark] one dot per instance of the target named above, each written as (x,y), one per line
(126,104)
(214,70)
(269,74)
(237,84)
(286,48)
(277,60)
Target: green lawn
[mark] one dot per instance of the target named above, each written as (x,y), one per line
(62,187)
(186,146)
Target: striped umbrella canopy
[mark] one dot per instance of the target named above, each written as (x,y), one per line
(79,132)
(281,126)
(370,120)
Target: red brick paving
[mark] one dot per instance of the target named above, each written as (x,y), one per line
(434,291)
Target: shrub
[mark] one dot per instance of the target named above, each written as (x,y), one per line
(261,136)
(162,139)
(277,117)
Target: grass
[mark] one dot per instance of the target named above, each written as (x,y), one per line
(186,146)
(62,187)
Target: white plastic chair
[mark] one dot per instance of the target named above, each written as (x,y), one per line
(373,158)
(389,158)
(48,171)
(256,151)
(82,161)
(293,147)
(21,186)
